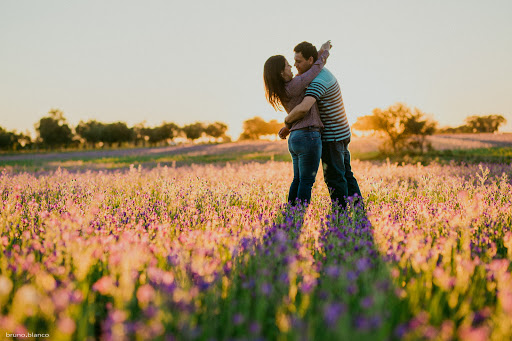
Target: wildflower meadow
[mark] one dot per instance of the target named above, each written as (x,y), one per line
(211,252)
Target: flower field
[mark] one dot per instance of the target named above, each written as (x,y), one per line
(211,252)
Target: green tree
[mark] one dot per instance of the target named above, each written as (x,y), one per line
(256,127)
(252,128)
(117,132)
(24,140)
(8,140)
(402,127)
(170,130)
(455,130)
(418,126)
(92,131)
(53,130)
(216,130)
(167,131)
(193,131)
(484,124)
(141,133)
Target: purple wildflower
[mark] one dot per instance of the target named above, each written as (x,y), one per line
(332,313)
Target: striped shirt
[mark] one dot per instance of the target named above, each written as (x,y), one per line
(326,90)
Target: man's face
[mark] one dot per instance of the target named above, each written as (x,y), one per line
(302,64)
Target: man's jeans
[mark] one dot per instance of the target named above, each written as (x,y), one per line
(337,171)
(306,149)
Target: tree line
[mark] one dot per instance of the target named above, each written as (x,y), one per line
(477,124)
(53,131)
(402,127)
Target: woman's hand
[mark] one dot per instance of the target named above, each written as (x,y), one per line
(283,133)
(325,46)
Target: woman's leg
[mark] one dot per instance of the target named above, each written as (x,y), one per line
(294,186)
(309,161)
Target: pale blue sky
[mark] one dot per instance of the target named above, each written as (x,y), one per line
(186,61)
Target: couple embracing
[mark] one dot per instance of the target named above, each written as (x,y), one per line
(316,123)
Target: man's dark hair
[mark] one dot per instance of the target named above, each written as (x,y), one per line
(307,50)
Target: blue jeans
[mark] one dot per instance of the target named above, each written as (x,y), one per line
(306,149)
(337,171)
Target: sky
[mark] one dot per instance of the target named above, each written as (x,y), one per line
(187,61)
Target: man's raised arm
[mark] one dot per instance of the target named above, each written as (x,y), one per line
(300,110)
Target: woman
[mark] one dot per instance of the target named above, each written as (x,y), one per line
(304,143)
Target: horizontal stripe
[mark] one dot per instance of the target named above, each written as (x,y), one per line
(332,127)
(335,138)
(332,111)
(314,84)
(335,133)
(336,125)
(316,91)
(336,101)
(317,87)
(336,98)
(336,121)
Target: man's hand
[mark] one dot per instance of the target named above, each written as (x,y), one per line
(283,133)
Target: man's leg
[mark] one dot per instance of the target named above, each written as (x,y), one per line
(352,185)
(334,170)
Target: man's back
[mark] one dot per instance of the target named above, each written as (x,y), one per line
(325,89)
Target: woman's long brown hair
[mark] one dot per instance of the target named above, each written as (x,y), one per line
(275,91)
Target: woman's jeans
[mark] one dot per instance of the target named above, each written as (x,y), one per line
(306,149)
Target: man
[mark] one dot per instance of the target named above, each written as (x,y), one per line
(325,91)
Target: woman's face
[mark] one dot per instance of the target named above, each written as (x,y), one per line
(287,72)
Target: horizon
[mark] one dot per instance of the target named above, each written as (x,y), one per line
(155,62)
